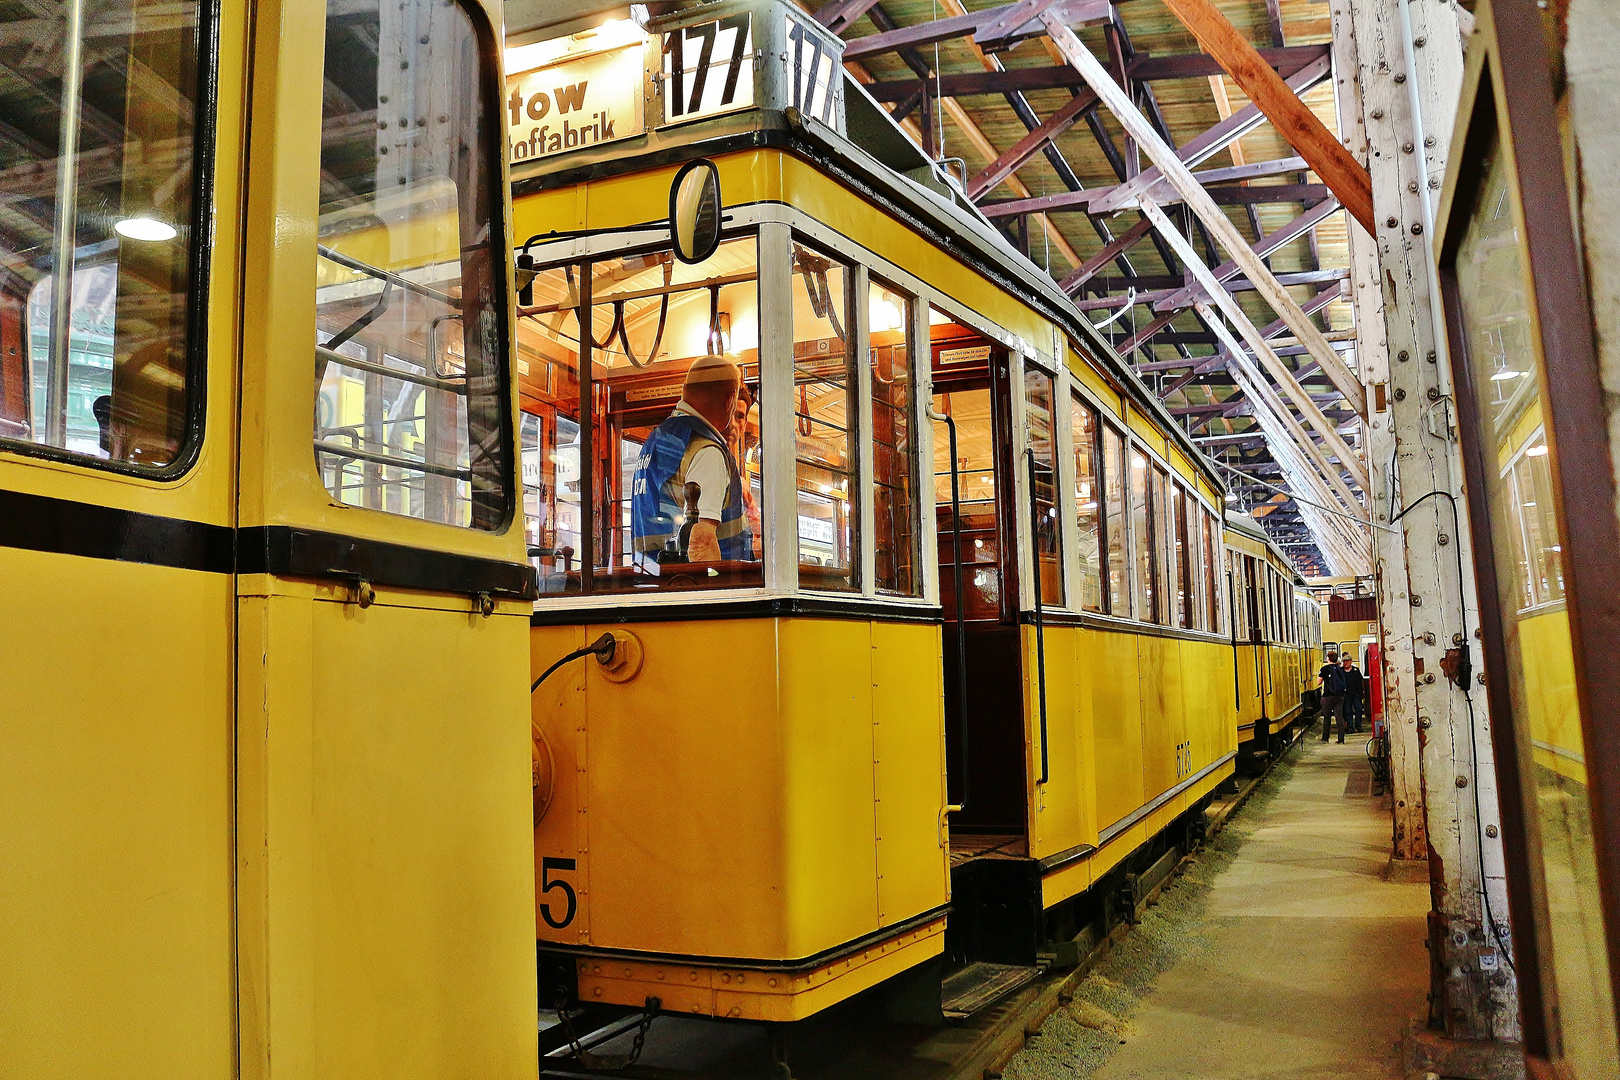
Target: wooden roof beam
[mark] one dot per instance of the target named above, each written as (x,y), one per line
(1292,118)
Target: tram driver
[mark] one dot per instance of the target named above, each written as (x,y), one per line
(688,475)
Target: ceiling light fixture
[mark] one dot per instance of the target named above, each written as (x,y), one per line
(145,228)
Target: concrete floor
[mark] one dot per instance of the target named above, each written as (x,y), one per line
(1314,965)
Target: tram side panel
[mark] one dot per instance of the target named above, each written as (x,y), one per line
(115,789)
(764,790)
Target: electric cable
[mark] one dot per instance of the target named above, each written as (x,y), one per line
(1465,672)
(602,648)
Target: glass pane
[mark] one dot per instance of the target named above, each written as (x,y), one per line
(548,393)
(976,477)
(824,412)
(1164,568)
(1142,537)
(894,446)
(1187,585)
(676,421)
(674,433)
(1115,523)
(1087,501)
(1040,414)
(410,412)
(98,209)
(1522,506)
(1213,586)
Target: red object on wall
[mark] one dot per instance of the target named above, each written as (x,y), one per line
(1352,609)
(1375,687)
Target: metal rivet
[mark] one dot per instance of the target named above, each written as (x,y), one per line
(1434,393)
(1428,140)
(1406,148)
(1392,222)
(1400,393)
(1417,601)
(1403,356)
(1430,357)
(1444,538)
(1412,186)
(1416,42)
(1462,781)
(1491,831)
(1400,76)
(1378,114)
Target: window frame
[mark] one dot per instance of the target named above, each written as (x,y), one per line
(198,278)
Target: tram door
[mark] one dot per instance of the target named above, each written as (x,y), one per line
(972,385)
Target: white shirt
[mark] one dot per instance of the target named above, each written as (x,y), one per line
(708,471)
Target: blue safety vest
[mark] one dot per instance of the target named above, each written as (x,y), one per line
(657,504)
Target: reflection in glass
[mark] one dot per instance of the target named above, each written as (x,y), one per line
(1164,567)
(98,207)
(1039,410)
(410,410)
(1210,609)
(1540,675)
(823,415)
(894,447)
(1088,502)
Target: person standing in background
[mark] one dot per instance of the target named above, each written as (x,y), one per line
(1332,679)
(1355,694)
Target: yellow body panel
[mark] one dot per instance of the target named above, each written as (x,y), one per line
(770,789)
(1143,428)
(1094,381)
(115,826)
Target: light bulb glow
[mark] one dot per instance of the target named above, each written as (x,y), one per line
(1505,374)
(145,228)
(1540,450)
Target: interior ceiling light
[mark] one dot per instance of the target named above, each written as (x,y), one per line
(145,228)
(1505,374)
(1537,451)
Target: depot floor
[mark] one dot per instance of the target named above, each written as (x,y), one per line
(1279,953)
(1304,962)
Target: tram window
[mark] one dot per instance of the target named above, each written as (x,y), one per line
(824,414)
(1212,588)
(894,442)
(1186,568)
(410,363)
(981,549)
(1040,413)
(101,211)
(1088,502)
(1142,537)
(1115,522)
(1165,568)
(675,468)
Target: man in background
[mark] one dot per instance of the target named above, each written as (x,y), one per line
(1355,693)
(692,446)
(1333,688)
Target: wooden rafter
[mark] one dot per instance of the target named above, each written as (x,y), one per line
(1292,118)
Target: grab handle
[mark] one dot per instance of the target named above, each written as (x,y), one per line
(961,622)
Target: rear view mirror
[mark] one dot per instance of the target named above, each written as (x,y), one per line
(694,210)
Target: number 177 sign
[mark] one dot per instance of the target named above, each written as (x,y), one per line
(708,68)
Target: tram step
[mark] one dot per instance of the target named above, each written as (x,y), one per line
(981,984)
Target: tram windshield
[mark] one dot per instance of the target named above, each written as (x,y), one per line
(658,484)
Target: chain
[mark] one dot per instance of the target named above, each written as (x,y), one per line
(599,1062)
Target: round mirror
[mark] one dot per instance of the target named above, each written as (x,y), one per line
(694,210)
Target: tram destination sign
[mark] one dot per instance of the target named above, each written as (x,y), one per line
(708,68)
(574,103)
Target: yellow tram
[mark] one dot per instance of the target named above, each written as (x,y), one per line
(953,647)
(262,799)
(1276,639)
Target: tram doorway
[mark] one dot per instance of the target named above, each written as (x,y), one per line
(973,386)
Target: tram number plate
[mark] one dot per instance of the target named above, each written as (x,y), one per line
(569,901)
(708,68)
(812,73)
